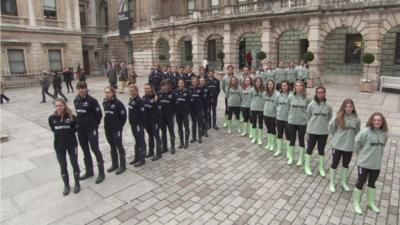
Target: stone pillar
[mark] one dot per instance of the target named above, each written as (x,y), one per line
(68,14)
(197,50)
(230,48)
(315,46)
(173,51)
(267,42)
(91,16)
(77,18)
(371,40)
(32,16)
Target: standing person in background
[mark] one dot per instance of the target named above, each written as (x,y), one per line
(297,120)
(225,83)
(155,77)
(282,111)
(234,101)
(369,146)
(319,114)
(280,75)
(261,74)
(302,72)
(45,81)
(167,103)
(190,76)
(132,74)
(269,113)
(175,77)
(112,76)
(205,65)
(123,77)
(88,119)
(291,74)
(214,88)
(3,86)
(343,128)
(182,101)
(63,125)
(196,109)
(78,70)
(269,72)
(249,59)
(57,85)
(82,75)
(245,106)
(256,110)
(68,78)
(205,99)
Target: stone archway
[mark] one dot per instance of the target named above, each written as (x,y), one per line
(212,45)
(249,44)
(291,46)
(390,64)
(162,51)
(185,54)
(343,48)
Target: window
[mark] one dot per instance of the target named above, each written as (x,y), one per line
(214,3)
(397,52)
(16,60)
(9,7)
(82,15)
(353,48)
(129,58)
(188,50)
(132,12)
(106,16)
(55,61)
(242,1)
(190,5)
(212,51)
(49,9)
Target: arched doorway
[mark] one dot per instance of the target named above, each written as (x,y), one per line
(292,44)
(390,55)
(162,51)
(249,45)
(185,51)
(213,45)
(343,48)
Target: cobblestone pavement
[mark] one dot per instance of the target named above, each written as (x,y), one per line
(225,180)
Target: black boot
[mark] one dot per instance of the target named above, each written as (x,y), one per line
(199,139)
(77,187)
(101,175)
(193,136)
(150,153)
(181,142)
(65,179)
(186,140)
(114,162)
(89,170)
(205,132)
(135,158)
(139,163)
(157,156)
(122,165)
(172,146)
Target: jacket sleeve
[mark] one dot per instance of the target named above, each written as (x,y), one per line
(223,85)
(227,93)
(330,113)
(359,143)
(74,124)
(309,112)
(332,126)
(218,87)
(358,127)
(51,124)
(97,111)
(122,113)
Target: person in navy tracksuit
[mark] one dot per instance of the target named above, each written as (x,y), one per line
(167,103)
(196,110)
(182,106)
(214,88)
(205,99)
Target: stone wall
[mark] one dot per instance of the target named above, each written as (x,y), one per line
(388,66)
(289,46)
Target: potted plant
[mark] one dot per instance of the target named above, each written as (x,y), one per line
(309,57)
(366,85)
(221,56)
(261,56)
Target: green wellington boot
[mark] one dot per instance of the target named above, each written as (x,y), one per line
(356,201)
(260,136)
(307,164)
(343,179)
(332,179)
(289,154)
(237,122)
(244,133)
(249,125)
(268,142)
(229,125)
(321,166)
(301,156)
(273,140)
(241,117)
(279,147)
(225,121)
(371,199)
(253,135)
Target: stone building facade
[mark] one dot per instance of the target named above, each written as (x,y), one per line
(338,32)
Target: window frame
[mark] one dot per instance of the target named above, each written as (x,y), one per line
(212,50)
(348,58)
(129,52)
(188,5)
(82,15)
(4,9)
(397,50)
(214,6)
(50,17)
(23,60)
(50,61)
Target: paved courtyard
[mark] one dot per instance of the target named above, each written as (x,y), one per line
(225,180)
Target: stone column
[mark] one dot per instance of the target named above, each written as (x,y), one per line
(77,18)
(32,16)
(91,16)
(68,14)
(371,41)
(315,46)
(267,43)
(197,50)
(230,48)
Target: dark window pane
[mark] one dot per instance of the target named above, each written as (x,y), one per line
(55,60)
(212,51)
(188,50)
(49,9)
(353,48)
(9,7)
(397,52)
(82,15)
(16,60)
(130,53)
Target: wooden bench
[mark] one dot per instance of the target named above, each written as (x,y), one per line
(390,82)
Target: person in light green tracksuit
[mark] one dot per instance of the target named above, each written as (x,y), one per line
(270,95)
(319,114)
(297,120)
(224,84)
(246,73)
(291,74)
(302,72)
(369,146)
(269,72)
(234,101)
(280,75)
(245,106)
(256,110)
(260,73)
(282,111)
(343,128)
